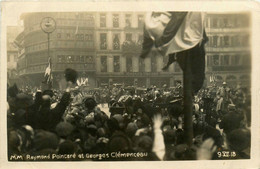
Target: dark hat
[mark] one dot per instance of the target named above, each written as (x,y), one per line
(45,140)
(48,92)
(145,143)
(71,75)
(101,132)
(12,91)
(239,139)
(67,147)
(64,129)
(231,107)
(90,103)
(131,129)
(119,142)
(21,101)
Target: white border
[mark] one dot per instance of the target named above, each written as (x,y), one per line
(10,11)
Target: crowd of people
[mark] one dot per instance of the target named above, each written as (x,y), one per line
(140,124)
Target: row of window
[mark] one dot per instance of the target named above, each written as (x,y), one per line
(129,64)
(116,22)
(116,40)
(229,40)
(73,22)
(61,44)
(12,58)
(82,37)
(75,59)
(228,22)
(228,60)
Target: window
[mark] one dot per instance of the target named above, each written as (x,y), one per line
(246,59)
(81,58)
(208,60)
(128,20)
(103,41)
(140,39)
(129,64)
(140,21)
(89,59)
(88,37)
(103,61)
(215,41)
(116,64)
(215,60)
(226,60)
(116,42)
(154,62)
(141,65)
(58,35)
(68,35)
(225,22)
(214,22)
(115,20)
(8,58)
(128,37)
(102,20)
(226,41)
(245,40)
(236,59)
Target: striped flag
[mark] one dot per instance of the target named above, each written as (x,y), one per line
(48,74)
(179,35)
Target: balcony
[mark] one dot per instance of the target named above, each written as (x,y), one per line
(231,68)
(131,47)
(90,67)
(227,49)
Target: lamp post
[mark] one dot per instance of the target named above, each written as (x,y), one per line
(48,25)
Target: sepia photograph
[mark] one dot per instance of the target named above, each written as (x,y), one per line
(129,85)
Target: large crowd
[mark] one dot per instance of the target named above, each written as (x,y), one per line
(139,124)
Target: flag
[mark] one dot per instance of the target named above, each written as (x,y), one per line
(178,35)
(77,26)
(48,74)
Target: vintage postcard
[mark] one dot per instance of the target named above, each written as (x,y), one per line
(146,83)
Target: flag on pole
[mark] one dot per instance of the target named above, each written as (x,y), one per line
(48,74)
(178,35)
(77,26)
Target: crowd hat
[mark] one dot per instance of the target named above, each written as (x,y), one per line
(45,140)
(64,129)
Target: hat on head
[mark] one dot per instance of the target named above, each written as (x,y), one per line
(67,147)
(45,140)
(48,92)
(145,143)
(231,107)
(239,139)
(12,91)
(90,103)
(131,129)
(64,129)
(71,75)
(119,142)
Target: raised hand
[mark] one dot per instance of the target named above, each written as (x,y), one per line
(206,150)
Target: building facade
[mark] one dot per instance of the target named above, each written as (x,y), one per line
(229,48)
(12,52)
(105,48)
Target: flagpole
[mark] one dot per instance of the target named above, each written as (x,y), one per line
(49,58)
(187,94)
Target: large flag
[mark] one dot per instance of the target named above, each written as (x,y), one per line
(178,35)
(48,74)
